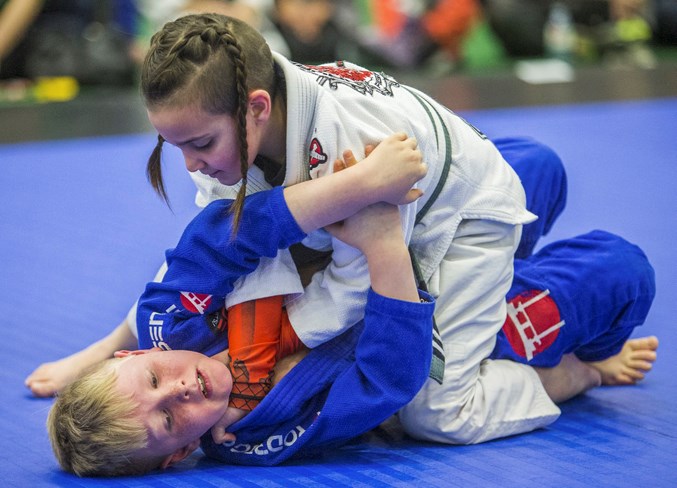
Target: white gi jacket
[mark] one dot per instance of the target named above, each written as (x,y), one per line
(331,109)
(464,244)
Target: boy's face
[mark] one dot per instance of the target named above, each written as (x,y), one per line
(181,395)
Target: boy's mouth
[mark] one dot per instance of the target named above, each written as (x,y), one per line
(202,383)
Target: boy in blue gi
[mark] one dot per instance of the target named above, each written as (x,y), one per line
(144,413)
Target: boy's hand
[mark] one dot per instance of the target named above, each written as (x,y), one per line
(372,228)
(392,168)
(232,415)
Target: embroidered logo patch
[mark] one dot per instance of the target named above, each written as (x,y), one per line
(317,155)
(533,323)
(361,80)
(195,302)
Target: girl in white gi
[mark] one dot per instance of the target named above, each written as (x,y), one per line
(246,118)
(213,89)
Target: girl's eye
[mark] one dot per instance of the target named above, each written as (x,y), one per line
(203,145)
(168,421)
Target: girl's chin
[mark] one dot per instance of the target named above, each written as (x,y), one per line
(224,180)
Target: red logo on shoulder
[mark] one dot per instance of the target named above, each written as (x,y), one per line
(195,302)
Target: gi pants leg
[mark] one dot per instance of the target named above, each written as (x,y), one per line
(481,398)
(583,295)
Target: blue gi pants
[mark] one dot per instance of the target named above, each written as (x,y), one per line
(585,294)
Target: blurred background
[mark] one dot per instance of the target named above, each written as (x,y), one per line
(470,54)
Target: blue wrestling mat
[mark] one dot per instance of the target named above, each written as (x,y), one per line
(81,232)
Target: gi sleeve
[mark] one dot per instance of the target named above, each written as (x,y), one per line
(254,330)
(183,311)
(392,362)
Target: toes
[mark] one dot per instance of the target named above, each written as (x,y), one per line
(641,365)
(624,379)
(643,355)
(42,389)
(647,343)
(635,375)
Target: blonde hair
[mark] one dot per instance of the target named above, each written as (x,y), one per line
(212,61)
(93,430)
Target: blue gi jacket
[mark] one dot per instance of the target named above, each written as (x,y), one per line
(206,262)
(342,389)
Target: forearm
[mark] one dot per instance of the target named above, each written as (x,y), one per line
(318,203)
(391,273)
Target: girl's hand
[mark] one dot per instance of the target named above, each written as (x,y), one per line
(392,169)
(373,226)
(232,415)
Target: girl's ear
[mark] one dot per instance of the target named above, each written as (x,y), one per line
(260,105)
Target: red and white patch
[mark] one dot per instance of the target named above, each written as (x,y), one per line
(533,323)
(361,80)
(340,71)
(317,155)
(195,302)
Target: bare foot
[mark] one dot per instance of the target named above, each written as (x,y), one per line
(569,378)
(631,364)
(49,378)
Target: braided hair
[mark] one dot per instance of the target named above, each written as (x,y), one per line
(212,61)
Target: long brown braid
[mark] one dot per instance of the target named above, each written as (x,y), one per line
(212,61)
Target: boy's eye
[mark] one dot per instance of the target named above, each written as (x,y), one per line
(168,421)
(153,380)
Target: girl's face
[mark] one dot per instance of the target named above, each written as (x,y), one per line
(181,395)
(209,142)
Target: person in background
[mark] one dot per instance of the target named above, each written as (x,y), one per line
(152,15)
(309,30)
(407,35)
(65,38)
(617,31)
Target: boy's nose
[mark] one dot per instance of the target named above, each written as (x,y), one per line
(180,390)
